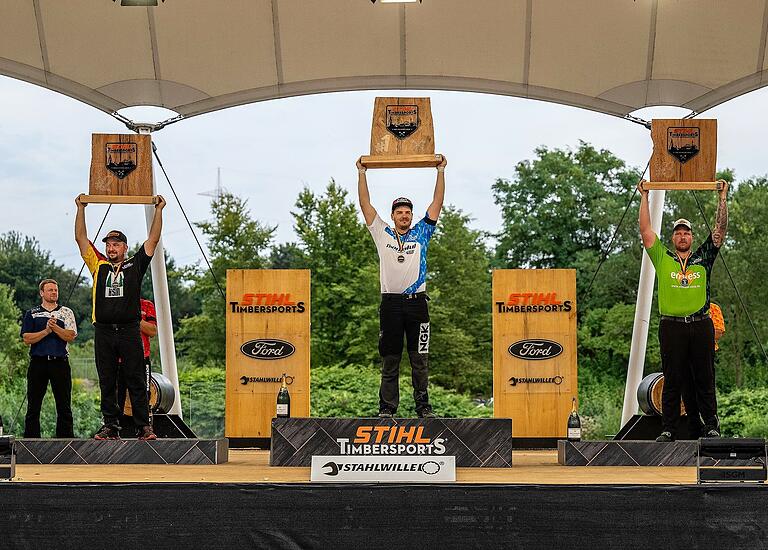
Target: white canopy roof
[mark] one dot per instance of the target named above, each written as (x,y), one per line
(196,56)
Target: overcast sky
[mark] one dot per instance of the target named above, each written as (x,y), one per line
(268,151)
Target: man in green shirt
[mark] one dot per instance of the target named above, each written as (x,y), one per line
(686,333)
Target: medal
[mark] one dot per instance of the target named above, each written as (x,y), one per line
(684,282)
(400,245)
(400,259)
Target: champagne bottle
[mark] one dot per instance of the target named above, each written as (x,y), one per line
(1,426)
(283,401)
(574,424)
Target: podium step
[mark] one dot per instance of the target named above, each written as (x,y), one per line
(122,451)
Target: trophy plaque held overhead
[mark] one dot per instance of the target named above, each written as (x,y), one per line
(402,135)
(684,154)
(121,170)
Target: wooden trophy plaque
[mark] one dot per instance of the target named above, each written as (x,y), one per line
(121,170)
(684,154)
(402,135)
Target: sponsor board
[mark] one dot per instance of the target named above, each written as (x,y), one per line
(391,440)
(383,469)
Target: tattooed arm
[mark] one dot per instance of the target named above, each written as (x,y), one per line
(721,218)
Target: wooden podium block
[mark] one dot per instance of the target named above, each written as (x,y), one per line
(121,167)
(402,134)
(684,154)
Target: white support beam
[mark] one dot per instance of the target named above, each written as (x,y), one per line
(642,315)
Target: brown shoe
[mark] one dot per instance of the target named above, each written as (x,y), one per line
(146,433)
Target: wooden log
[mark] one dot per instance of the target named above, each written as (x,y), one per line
(401,161)
(118,199)
(683,185)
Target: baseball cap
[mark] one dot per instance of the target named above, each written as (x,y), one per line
(402,201)
(116,235)
(683,222)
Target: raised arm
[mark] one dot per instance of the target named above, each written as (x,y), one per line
(437,200)
(364,197)
(646,230)
(81,233)
(156,228)
(721,218)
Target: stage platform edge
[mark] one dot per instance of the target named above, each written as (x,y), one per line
(122,451)
(633,453)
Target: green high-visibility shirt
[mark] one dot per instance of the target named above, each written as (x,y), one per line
(683,293)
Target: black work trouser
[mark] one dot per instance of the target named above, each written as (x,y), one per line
(121,341)
(41,371)
(122,388)
(401,315)
(688,357)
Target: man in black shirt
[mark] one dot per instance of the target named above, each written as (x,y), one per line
(116,314)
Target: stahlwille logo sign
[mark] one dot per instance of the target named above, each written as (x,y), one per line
(533,302)
(245,380)
(391,440)
(517,380)
(267,302)
(535,349)
(387,469)
(267,349)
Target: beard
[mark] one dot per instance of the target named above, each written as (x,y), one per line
(683,247)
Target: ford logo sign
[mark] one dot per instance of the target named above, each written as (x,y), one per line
(267,349)
(535,349)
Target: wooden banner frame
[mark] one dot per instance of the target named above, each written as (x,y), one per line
(692,164)
(125,179)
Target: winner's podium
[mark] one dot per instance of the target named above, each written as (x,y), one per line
(475,442)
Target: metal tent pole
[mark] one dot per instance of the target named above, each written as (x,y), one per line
(163,307)
(642,315)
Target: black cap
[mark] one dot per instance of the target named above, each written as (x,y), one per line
(116,235)
(402,201)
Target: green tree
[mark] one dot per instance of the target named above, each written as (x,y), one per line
(235,241)
(13,351)
(561,210)
(184,302)
(345,293)
(459,285)
(23,264)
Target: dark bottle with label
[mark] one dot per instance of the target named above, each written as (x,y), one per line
(283,401)
(1,425)
(574,424)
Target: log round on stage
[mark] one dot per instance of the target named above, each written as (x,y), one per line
(161,395)
(649,394)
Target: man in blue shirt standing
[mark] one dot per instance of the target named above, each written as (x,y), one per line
(47,329)
(403,312)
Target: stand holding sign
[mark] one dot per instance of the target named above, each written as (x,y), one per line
(267,335)
(402,135)
(534,349)
(684,154)
(121,170)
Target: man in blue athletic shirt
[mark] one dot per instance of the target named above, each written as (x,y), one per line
(402,272)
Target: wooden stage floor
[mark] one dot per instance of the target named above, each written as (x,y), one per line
(252,466)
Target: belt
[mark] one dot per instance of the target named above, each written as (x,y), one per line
(394,295)
(686,319)
(117,326)
(51,357)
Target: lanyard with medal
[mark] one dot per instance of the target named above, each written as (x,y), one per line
(684,267)
(400,244)
(115,283)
